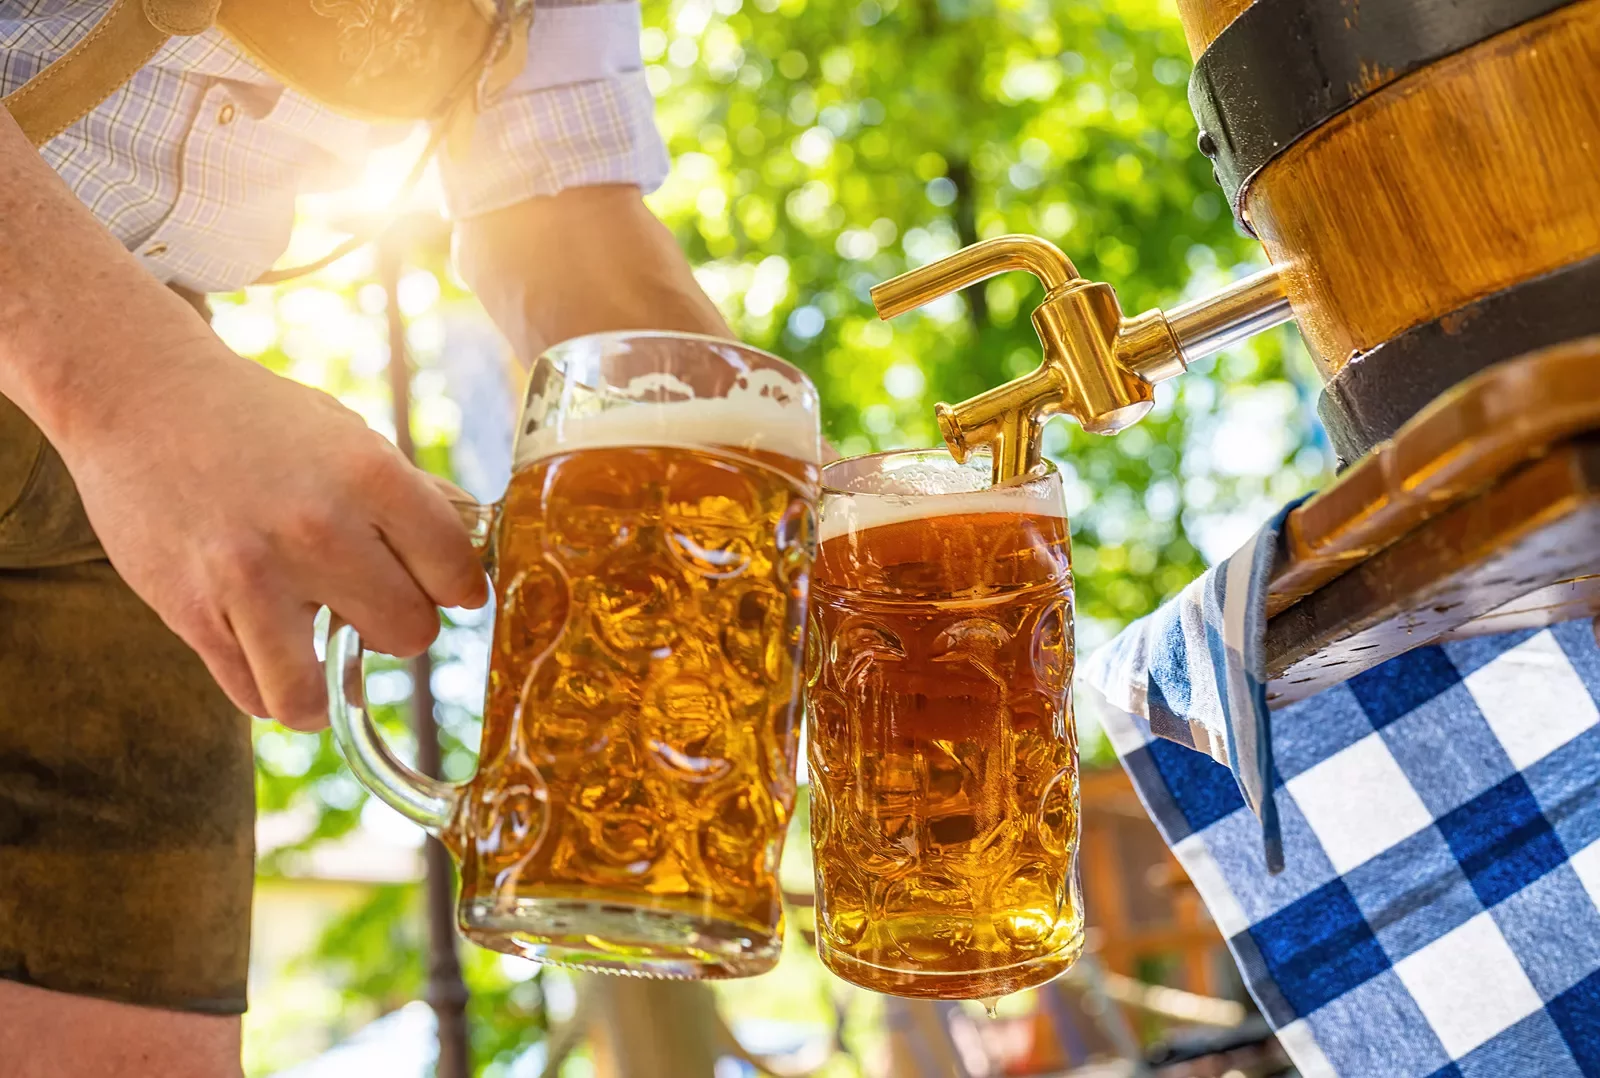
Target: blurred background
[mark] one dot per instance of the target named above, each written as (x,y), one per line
(819,147)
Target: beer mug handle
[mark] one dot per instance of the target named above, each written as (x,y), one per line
(425,801)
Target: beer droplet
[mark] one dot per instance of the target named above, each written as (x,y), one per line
(991,1006)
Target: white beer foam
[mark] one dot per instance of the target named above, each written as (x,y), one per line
(911,493)
(746,422)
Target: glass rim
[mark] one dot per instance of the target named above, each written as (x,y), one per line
(1046,471)
(552,353)
(602,372)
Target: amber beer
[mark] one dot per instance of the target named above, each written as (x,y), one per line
(942,751)
(637,766)
(639,733)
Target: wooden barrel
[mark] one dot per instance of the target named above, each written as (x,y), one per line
(1427,172)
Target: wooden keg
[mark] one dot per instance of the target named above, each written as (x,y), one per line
(1426,173)
(1426,176)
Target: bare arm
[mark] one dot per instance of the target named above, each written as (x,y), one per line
(64,279)
(234,502)
(589,260)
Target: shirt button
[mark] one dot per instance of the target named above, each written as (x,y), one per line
(226,114)
(155,249)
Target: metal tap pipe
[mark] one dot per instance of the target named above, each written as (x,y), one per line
(1223,319)
(1097,366)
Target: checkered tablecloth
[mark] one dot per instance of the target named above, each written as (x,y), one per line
(1438,913)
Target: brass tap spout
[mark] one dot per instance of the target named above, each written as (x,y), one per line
(970,265)
(1098,367)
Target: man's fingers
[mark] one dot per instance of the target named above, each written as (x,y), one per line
(276,635)
(370,589)
(427,535)
(231,671)
(449,489)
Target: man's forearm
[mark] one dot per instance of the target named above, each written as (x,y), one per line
(68,292)
(589,260)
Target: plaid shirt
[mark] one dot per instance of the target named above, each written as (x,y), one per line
(195,164)
(1438,911)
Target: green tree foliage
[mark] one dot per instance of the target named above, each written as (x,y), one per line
(821,146)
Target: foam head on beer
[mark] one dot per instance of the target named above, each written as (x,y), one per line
(763,413)
(925,485)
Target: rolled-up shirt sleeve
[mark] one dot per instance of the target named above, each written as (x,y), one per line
(579,114)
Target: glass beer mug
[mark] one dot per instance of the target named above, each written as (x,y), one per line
(942,751)
(637,768)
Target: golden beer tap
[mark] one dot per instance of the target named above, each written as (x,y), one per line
(1098,367)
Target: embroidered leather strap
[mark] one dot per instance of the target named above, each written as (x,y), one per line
(132,32)
(451,130)
(108,56)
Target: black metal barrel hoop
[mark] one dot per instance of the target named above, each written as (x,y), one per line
(1285,67)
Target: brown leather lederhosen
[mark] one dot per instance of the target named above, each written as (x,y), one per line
(126,791)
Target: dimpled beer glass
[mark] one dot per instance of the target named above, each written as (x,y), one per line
(942,752)
(650,563)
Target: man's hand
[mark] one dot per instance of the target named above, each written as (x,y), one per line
(234,502)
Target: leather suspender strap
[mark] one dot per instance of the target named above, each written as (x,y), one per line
(131,33)
(452,128)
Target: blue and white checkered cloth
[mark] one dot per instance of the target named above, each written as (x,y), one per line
(1438,912)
